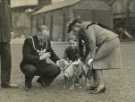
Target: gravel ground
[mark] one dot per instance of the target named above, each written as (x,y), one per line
(120,85)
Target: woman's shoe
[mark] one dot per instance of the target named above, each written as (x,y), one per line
(98,91)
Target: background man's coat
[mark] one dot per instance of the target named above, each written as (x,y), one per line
(5,29)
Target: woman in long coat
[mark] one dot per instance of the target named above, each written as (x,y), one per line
(101,47)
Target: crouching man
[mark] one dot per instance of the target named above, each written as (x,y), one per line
(39,59)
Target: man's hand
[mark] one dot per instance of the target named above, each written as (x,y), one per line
(62,64)
(45,56)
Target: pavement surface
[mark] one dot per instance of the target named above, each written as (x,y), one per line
(120,84)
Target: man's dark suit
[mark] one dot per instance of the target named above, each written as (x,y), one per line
(5,29)
(31,64)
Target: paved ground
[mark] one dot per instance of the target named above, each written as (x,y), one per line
(120,85)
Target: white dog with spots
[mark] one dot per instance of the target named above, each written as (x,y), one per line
(72,71)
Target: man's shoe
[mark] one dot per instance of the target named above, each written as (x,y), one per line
(91,88)
(41,82)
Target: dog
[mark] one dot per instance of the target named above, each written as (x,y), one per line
(72,67)
(73,72)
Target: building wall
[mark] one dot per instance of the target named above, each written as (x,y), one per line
(45,2)
(18,3)
(21,23)
(124,15)
(56,21)
(54,1)
(60,18)
(95,11)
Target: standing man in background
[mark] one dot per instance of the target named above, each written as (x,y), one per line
(5,53)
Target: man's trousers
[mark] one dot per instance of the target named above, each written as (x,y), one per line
(5,54)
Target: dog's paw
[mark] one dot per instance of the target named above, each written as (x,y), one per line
(65,87)
(72,88)
(78,86)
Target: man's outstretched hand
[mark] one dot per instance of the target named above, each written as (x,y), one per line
(45,56)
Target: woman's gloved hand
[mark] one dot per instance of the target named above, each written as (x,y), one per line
(90,61)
